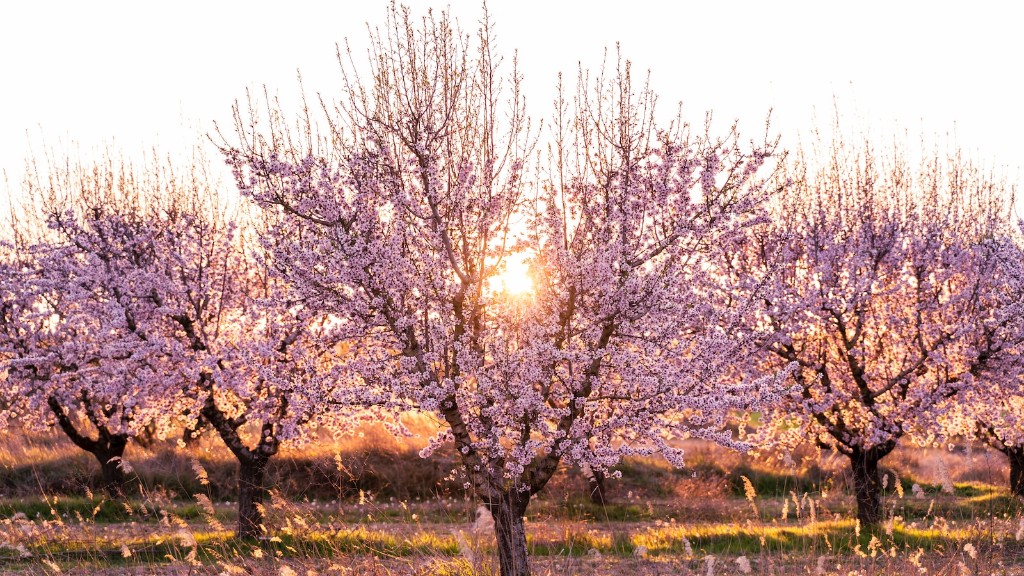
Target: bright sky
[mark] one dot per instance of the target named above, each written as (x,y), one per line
(145,73)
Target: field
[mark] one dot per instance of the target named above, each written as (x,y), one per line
(371,506)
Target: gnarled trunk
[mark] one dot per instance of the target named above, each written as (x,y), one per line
(867,486)
(107,448)
(508,512)
(251,493)
(252,467)
(1015,455)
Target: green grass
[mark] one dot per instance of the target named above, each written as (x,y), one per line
(775,484)
(841,537)
(211,547)
(832,537)
(97,509)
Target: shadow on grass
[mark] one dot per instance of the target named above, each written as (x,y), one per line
(730,539)
(97,509)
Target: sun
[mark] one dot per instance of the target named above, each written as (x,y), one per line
(515,279)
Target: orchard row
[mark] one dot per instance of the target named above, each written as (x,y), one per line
(854,297)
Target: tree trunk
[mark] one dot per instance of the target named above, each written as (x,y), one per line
(251,492)
(1016,457)
(109,452)
(252,466)
(105,447)
(508,513)
(595,483)
(868,488)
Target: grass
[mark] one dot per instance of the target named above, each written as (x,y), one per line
(573,539)
(832,537)
(96,509)
(376,505)
(837,537)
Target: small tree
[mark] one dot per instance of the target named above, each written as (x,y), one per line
(993,410)
(232,351)
(876,289)
(256,366)
(995,421)
(401,223)
(75,321)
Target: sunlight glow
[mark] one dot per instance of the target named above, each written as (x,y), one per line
(515,279)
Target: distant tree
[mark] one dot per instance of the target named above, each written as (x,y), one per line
(995,420)
(143,307)
(877,290)
(993,410)
(596,485)
(76,316)
(255,365)
(399,225)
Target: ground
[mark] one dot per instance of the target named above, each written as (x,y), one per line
(383,511)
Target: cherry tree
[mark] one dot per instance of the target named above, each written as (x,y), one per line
(232,351)
(400,222)
(876,287)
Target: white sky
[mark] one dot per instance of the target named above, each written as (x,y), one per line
(142,73)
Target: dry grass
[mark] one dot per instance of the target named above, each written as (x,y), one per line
(369,505)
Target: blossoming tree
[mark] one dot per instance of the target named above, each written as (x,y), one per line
(143,307)
(876,288)
(993,411)
(254,365)
(400,223)
(76,321)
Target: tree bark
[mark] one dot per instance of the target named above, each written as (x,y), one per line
(595,485)
(508,510)
(105,447)
(867,486)
(1015,455)
(251,493)
(109,452)
(252,467)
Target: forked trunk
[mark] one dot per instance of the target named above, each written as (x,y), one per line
(1015,455)
(508,513)
(251,492)
(104,448)
(252,467)
(868,488)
